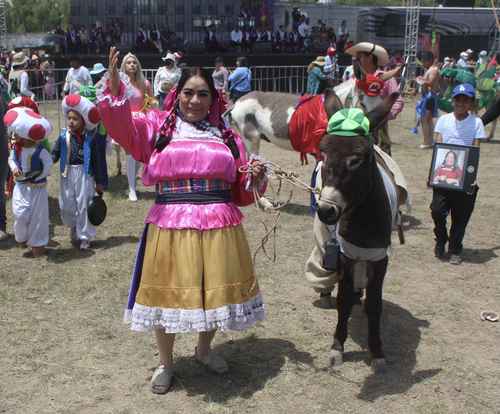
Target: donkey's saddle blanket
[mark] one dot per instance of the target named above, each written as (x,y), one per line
(308,124)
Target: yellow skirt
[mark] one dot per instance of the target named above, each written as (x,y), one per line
(197,281)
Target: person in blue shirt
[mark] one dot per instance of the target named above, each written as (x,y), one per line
(315,75)
(240,80)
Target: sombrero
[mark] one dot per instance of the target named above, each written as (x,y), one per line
(371,48)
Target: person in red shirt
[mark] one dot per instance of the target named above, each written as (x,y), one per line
(448,172)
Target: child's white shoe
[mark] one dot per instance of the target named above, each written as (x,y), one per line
(132,195)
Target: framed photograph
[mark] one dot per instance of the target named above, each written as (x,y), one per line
(454,167)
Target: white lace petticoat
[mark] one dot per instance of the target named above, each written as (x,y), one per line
(228,317)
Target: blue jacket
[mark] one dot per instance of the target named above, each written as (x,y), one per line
(94,154)
(240,80)
(314,79)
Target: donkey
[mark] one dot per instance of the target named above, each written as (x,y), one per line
(359,196)
(269,115)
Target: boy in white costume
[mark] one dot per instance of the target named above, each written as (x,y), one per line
(30,164)
(81,167)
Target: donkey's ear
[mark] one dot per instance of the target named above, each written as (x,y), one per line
(332,102)
(379,114)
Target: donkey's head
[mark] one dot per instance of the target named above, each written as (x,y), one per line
(349,165)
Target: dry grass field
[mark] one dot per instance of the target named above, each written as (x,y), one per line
(64,348)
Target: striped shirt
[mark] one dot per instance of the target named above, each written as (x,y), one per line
(462,132)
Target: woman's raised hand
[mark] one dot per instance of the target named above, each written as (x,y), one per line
(113,71)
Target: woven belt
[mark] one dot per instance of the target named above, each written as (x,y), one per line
(199,197)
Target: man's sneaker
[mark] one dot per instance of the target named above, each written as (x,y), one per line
(439,250)
(455,259)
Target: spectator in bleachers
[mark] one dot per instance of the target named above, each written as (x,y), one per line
(342,37)
(236,38)
(279,39)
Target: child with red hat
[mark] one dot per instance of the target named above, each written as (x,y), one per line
(21,102)
(30,163)
(82,171)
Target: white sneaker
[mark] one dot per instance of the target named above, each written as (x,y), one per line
(3,235)
(132,195)
(425,146)
(84,245)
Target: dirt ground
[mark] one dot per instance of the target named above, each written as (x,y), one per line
(64,348)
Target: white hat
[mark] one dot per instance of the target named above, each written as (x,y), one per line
(27,124)
(84,107)
(464,55)
(447,59)
(169,56)
(371,48)
(469,51)
(483,53)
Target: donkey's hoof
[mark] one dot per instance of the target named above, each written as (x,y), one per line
(379,365)
(336,358)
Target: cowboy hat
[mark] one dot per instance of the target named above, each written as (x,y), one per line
(19,59)
(320,61)
(372,49)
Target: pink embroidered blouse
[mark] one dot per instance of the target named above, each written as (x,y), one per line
(191,154)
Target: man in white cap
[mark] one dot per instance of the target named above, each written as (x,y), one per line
(166,77)
(372,58)
(18,76)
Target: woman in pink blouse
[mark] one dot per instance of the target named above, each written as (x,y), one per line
(193,271)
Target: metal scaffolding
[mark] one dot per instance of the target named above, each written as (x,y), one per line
(411,36)
(3,24)
(495,44)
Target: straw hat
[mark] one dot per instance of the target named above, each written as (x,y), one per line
(19,59)
(320,61)
(372,49)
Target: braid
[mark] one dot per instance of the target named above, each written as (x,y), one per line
(166,131)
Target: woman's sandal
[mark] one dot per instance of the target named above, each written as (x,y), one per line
(162,379)
(212,361)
